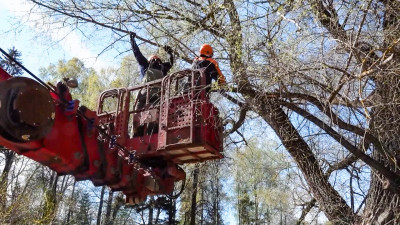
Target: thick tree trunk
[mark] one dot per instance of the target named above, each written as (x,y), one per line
(332,204)
(383,205)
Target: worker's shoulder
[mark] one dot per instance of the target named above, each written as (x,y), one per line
(211,60)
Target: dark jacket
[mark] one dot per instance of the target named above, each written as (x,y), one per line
(144,64)
(211,69)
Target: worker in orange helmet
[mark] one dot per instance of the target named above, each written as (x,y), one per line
(211,68)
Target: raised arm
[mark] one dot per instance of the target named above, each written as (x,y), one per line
(143,63)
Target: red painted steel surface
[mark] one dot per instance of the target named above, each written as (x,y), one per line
(188,126)
(4,75)
(190,130)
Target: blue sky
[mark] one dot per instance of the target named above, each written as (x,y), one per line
(38,50)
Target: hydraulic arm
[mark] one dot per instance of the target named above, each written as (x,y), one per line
(134,150)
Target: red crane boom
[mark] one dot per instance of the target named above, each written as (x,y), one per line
(130,149)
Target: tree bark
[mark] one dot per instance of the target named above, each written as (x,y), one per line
(171,211)
(118,203)
(50,201)
(193,206)
(382,204)
(334,206)
(9,158)
(151,203)
(100,205)
(109,206)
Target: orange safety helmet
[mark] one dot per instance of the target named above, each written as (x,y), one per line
(206,50)
(153,57)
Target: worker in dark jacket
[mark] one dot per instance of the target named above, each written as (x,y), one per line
(151,69)
(210,66)
(153,62)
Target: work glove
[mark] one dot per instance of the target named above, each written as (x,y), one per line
(221,83)
(168,49)
(215,86)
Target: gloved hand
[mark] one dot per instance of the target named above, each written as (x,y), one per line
(168,49)
(132,35)
(218,86)
(222,83)
(214,86)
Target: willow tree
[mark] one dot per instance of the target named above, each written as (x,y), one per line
(328,68)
